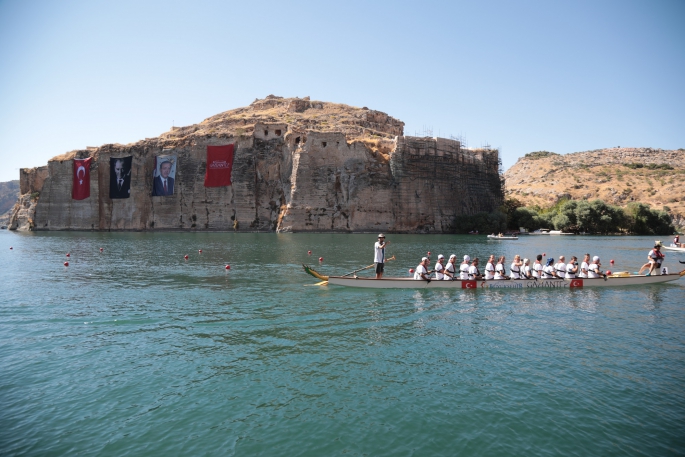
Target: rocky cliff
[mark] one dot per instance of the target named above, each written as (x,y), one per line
(616,175)
(299,165)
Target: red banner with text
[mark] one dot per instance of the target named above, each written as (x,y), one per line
(219,166)
(80,188)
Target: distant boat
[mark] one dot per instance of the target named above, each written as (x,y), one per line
(502,237)
(539,232)
(673,247)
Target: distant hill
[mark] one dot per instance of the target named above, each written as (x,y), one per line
(616,175)
(9,193)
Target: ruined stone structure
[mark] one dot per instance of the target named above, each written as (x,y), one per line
(299,166)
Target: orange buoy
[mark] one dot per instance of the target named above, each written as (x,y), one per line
(185,256)
(228,267)
(66,264)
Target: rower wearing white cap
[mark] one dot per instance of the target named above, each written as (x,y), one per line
(421,271)
(526,272)
(379,255)
(593,270)
(464,268)
(439,268)
(450,268)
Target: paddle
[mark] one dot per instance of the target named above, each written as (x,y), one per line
(681,261)
(366,268)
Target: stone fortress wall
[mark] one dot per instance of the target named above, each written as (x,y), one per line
(285,178)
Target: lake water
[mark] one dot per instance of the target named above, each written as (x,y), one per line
(136,351)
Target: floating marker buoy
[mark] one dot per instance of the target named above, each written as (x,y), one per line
(102,249)
(228,267)
(411,270)
(429,253)
(611,261)
(544,255)
(200,251)
(11,248)
(68,255)
(320,259)
(185,256)
(608,272)
(66,264)
(308,252)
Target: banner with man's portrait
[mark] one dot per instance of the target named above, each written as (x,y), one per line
(164,175)
(120,177)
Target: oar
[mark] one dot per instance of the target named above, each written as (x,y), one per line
(366,268)
(681,261)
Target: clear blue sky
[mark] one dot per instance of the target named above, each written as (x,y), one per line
(524,76)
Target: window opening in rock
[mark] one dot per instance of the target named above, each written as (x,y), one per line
(323,144)
(297,140)
(278,133)
(266,133)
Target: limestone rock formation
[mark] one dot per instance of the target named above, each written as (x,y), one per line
(299,165)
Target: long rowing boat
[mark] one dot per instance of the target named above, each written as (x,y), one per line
(623,279)
(408,283)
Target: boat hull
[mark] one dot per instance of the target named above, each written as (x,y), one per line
(673,248)
(408,283)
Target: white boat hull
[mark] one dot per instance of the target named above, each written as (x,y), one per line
(673,248)
(495,237)
(408,283)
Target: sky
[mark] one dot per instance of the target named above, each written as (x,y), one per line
(521,76)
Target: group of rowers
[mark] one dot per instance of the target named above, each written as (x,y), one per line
(519,269)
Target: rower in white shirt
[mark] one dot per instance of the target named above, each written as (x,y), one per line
(526,271)
(572,268)
(584,267)
(593,269)
(537,267)
(560,267)
(474,272)
(490,268)
(439,267)
(450,268)
(515,267)
(421,272)
(548,269)
(500,272)
(464,268)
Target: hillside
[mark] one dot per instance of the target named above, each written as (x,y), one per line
(616,175)
(9,192)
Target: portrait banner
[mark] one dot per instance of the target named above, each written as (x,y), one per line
(219,166)
(80,188)
(164,175)
(120,177)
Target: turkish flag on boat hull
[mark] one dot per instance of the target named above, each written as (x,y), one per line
(80,189)
(219,166)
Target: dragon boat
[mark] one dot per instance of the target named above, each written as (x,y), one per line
(614,280)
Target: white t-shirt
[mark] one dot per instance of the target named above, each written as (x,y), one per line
(473,271)
(515,270)
(526,272)
(593,271)
(419,271)
(537,269)
(499,271)
(449,267)
(379,253)
(489,271)
(438,271)
(569,269)
(560,269)
(547,272)
(464,271)
(583,266)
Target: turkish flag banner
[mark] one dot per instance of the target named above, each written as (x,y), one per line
(576,283)
(80,188)
(219,166)
(469,284)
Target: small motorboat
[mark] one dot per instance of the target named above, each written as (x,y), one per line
(501,237)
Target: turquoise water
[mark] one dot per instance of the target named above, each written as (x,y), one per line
(135,351)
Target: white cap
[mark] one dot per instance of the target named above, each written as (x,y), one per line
(423,259)
(453,256)
(440,256)
(467,258)
(595,259)
(380,235)
(525,261)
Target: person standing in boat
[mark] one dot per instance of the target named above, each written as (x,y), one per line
(572,268)
(439,268)
(537,267)
(594,269)
(474,272)
(490,268)
(677,243)
(584,267)
(560,267)
(379,255)
(516,267)
(421,271)
(500,272)
(464,268)
(654,260)
(450,268)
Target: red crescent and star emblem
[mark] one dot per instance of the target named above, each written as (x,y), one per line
(576,283)
(468,285)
